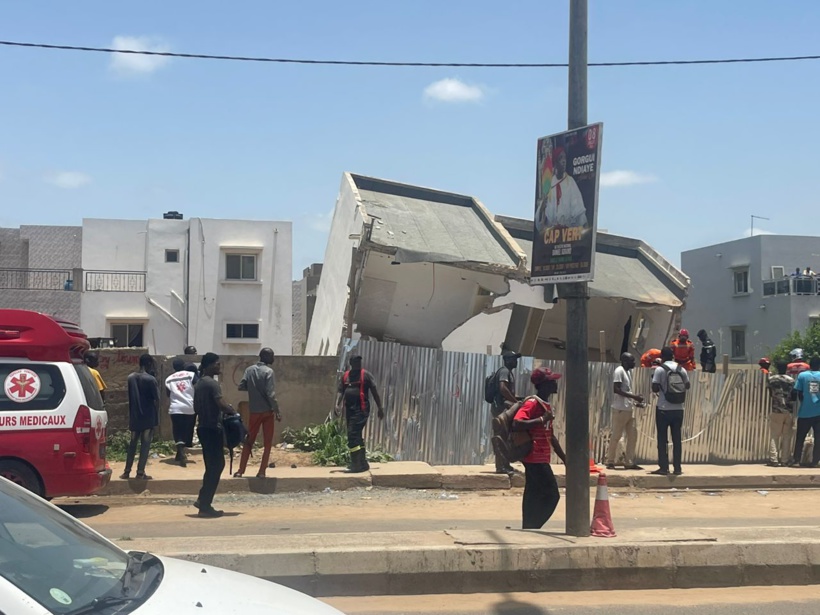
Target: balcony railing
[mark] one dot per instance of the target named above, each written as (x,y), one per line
(115,281)
(36,279)
(791,286)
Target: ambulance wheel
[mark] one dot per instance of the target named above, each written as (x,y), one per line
(21,474)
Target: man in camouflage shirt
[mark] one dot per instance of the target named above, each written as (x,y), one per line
(781,419)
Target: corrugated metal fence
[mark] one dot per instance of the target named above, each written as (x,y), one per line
(435,409)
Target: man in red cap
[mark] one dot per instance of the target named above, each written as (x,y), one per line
(684,351)
(535,416)
(764,364)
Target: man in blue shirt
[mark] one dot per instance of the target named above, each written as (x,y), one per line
(807,386)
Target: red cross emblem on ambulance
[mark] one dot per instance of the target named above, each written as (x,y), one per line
(22,385)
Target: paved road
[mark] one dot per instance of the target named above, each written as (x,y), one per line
(410,510)
(731,601)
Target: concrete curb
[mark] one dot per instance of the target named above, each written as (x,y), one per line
(288,480)
(511,561)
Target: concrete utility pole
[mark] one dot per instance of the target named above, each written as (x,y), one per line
(577,377)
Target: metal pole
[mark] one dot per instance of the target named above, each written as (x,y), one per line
(577,377)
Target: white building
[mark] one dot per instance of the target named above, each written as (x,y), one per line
(220,285)
(429,268)
(746,295)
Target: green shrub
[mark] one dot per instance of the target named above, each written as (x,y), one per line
(809,341)
(117,446)
(328,443)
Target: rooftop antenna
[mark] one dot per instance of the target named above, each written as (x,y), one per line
(752,232)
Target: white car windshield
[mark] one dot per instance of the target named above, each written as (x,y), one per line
(56,560)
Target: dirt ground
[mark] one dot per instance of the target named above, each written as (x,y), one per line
(386,510)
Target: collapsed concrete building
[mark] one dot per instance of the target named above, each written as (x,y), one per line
(429,268)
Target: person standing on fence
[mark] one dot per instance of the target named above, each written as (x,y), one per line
(781,419)
(708,353)
(210,406)
(684,351)
(260,383)
(623,420)
(143,415)
(355,389)
(670,382)
(535,416)
(808,416)
(180,387)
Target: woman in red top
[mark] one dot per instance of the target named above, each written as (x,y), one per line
(535,416)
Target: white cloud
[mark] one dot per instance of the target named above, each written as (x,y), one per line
(453,91)
(68,180)
(620,179)
(320,222)
(134,64)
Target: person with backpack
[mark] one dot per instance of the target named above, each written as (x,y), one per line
(807,387)
(535,417)
(670,382)
(499,392)
(355,389)
(210,406)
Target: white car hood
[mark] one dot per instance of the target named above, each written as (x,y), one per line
(189,587)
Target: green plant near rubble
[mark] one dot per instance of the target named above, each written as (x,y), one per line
(117,446)
(328,443)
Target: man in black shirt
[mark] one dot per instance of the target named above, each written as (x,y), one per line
(708,353)
(143,415)
(209,406)
(355,389)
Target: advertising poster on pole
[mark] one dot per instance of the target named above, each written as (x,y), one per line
(566,206)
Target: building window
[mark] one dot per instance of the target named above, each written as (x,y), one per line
(171,256)
(778,271)
(742,282)
(242,331)
(127,335)
(240,266)
(738,343)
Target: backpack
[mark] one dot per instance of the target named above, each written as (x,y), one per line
(235,434)
(675,392)
(491,387)
(511,445)
(362,396)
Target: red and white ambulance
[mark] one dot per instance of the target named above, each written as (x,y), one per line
(52,418)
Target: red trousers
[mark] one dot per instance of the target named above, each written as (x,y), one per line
(265,421)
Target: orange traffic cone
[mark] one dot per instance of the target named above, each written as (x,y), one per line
(601,518)
(593,469)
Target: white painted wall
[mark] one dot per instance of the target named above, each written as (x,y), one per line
(421,303)
(128,245)
(479,333)
(215,302)
(327,326)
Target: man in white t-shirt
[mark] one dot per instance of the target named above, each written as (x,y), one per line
(623,400)
(180,387)
(670,382)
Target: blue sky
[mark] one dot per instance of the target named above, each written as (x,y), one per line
(698,149)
